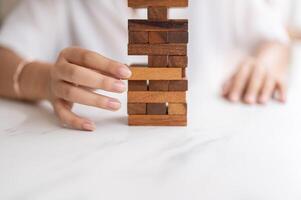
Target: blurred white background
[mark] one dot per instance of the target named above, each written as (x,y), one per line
(290,8)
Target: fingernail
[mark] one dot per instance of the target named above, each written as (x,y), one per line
(234,97)
(263,99)
(114,104)
(250,99)
(125,72)
(119,86)
(88,126)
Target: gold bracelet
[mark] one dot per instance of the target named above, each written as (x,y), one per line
(16,77)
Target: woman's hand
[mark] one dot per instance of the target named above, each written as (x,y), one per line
(74,77)
(260,78)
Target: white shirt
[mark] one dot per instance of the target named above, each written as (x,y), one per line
(39,29)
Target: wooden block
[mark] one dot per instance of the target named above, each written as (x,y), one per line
(178,37)
(158,85)
(170,25)
(157,120)
(157,13)
(158,37)
(178,61)
(156,109)
(137,85)
(157,49)
(161,61)
(177,109)
(156,97)
(180,85)
(164,3)
(149,73)
(138,37)
(184,72)
(137,108)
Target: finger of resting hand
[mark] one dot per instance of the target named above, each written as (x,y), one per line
(254,85)
(88,78)
(79,95)
(239,82)
(96,61)
(282,92)
(70,119)
(226,87)
(267,90)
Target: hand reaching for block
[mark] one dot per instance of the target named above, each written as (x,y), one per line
(75,75)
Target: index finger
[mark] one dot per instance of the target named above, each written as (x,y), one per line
(93,60)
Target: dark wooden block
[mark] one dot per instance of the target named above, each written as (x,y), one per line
(136,108)
(158,49)
(156,109)
(178,61)
(181,85)
(164,3)
(177,25)
(137,85)
(158,61)
(138,37)
(157,13)
(158,85)
(178,37)
(158,37)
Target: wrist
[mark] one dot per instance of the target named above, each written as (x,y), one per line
(34,81)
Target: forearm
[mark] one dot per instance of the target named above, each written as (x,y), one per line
(33,80)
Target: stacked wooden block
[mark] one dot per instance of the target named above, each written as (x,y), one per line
(157,91)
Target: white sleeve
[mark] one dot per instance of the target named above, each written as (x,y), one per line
(260,20)
(36,29)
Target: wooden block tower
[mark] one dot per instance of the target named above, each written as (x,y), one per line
(157,91)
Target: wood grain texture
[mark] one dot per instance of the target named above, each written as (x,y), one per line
(178,61)
(164,3)
(137,85)
(157,49)
(158,85)
(136,108)
(156,97)
(158,37)
(170,25)
(138,37)
(178,37)
(156,109)
(149,73)
(180,85)
(157,13)
(177,108)
(161,61)
(157,120)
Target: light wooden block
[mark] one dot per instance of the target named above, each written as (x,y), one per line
(177,108)
(156,97)
(157,120)
(150,73)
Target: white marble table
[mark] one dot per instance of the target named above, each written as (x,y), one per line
(228,152)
